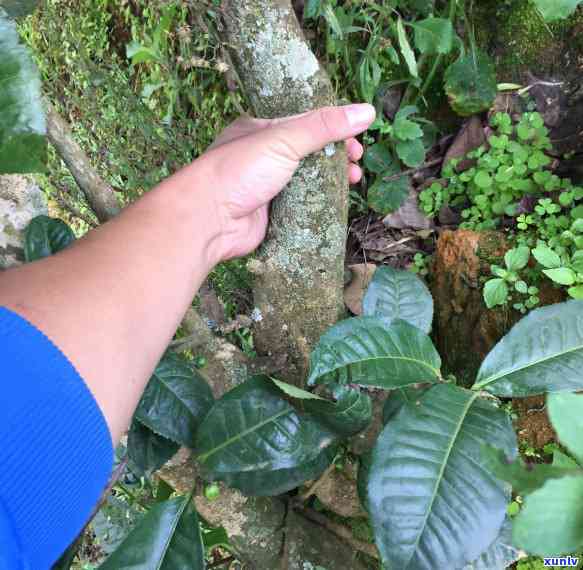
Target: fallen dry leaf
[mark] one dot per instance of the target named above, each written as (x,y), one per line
(470,137)
(409,215)
(362,274)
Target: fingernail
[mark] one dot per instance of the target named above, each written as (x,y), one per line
(360,115)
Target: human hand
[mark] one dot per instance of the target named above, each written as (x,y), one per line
(254,159)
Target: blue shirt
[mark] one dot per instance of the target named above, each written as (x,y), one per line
(56,452)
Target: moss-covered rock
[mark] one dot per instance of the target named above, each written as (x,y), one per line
(516,35)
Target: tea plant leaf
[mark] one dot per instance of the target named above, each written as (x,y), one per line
(542,353)
(395,294)
(434,35)
(147,450)
(470,84)
(18,8)
(412,153)
(296,392)
(22,122)
(365,351)
(500,555)
(167,538)
(524,479)
(176,400)
(563,461)
(566,415)
(386,196)
(270,483)
(550,520)
(427,465)
(406,50)
(349,414)
(45,236)
(556,9)
(398,398)
(252,428)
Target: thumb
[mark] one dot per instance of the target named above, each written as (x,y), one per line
(311,132)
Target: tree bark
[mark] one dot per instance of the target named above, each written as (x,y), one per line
(299,271)
(99,195)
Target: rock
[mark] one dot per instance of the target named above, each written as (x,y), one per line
(337,492)
(20,201)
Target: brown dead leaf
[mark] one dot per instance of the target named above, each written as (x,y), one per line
(362,274)
(470,137)
(409,215)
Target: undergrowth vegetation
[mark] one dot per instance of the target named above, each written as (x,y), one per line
(146,87)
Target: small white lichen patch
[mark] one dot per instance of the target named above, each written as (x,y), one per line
(278,58)
(330,150)
(256,315)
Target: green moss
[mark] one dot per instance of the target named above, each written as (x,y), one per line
(515,33)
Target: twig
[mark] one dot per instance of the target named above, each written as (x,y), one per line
(221,562)
(98,193)
(340,531)
(429,164)
(317,484)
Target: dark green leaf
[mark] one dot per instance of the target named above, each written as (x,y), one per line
(22,122)
(147,450)
(378,158)
(470,84)
(386,196)
(434,35)
(550,522)
(412,152)
(398,398)
(44,236)
(348,415)
(367,351)
(395,294)
(523,478)
(433,502)
(18,8)
(270,483)
(176,401)
(556,9)
(542,353)
(422,7)
(500,554)
(563,461)
(167,538)
(403,128)
(253,429)
(566,415)
(406,49)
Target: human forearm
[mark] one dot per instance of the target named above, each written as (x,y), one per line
(113,301)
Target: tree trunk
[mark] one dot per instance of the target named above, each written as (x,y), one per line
(299,274)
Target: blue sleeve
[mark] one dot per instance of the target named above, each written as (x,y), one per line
(55,448)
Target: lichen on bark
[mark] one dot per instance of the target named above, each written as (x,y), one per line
(299,287)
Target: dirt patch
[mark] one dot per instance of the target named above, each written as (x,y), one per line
(533,426)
